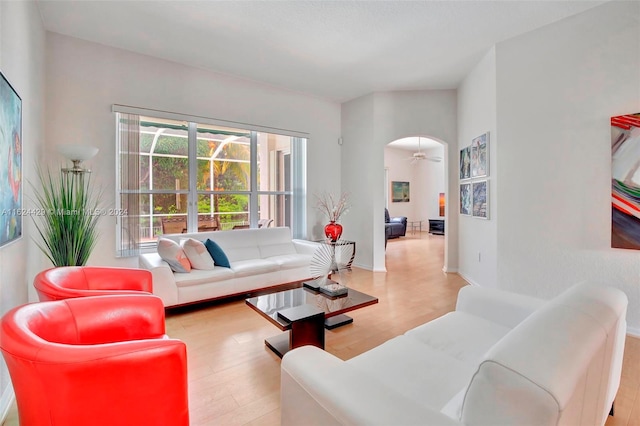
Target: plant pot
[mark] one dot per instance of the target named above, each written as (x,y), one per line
(333,231)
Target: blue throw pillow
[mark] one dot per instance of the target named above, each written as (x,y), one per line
(216,252)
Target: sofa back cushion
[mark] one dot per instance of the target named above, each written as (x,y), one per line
(549,369)
(275,242)
(246,244)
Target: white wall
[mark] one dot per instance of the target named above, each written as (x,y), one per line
(426,179)
(22,51)
(557,88)
(429,176)
(84,79)
(477,238)
(369,123)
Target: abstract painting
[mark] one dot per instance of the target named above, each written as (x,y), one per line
(441,204)
(465,163)
(400,192)
(625,181)
(480,156)
(10,163)
(465,198)
(480,199)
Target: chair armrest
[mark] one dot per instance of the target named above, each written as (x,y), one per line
(164,282)
(305,246)
(500,307)
(144,381)
(114,279)
(116,318)
(318,388)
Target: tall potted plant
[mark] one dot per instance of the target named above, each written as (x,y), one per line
(67,215)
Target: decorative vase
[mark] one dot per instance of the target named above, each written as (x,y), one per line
(333,231)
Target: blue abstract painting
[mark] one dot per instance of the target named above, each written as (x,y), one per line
(10,163)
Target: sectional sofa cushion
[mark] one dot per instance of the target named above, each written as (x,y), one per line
(216,252)
(174,255)
(197,254)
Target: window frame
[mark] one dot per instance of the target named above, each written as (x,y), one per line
(297,191)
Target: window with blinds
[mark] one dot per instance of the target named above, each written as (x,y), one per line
(177,176)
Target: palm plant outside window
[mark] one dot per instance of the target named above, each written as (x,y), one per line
(198,177)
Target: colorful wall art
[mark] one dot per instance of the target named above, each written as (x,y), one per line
(480,156)
(400,192)
(10,163)
(465,198)
(480,199)
(465,163)
(625,181)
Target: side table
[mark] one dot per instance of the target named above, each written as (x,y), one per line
(415,224)
(340,247)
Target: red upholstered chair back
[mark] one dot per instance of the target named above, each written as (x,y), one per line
(95,361)
(80,281)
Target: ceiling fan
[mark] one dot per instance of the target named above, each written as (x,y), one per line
(419,155)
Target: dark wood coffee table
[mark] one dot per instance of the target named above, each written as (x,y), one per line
(303,314)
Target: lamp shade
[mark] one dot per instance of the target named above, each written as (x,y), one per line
(77,152)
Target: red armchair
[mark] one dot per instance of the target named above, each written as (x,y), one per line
(95,361)
(78,281)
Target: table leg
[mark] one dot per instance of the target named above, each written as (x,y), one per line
(305,331)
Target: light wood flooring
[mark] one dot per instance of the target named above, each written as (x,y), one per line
(235,380)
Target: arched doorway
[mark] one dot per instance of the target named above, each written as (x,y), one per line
(416,189)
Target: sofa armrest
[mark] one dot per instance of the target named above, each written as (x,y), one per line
(317,389)
(305,246)
(399,219)
(164,283)
(500,307)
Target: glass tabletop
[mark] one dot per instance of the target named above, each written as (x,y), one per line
(269,304)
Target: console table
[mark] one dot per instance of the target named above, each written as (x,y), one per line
(436,226)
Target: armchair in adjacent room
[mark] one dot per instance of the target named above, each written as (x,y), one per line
(79,281)
(394,226)
(101,360)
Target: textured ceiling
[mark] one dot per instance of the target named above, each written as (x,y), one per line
(336,50)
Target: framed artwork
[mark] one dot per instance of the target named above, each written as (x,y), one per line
(10,162)
(480,201)
(400,192)
(465,198)
(480,156)
(465,163)
(441,204)
(625,181)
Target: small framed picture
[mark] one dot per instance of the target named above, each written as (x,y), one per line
(400,192)
(480,156)
(480,201)
(465,163)
(465,199)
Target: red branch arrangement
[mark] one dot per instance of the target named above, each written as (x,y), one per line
(332,206)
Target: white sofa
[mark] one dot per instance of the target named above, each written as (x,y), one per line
(259,258)
(498,359)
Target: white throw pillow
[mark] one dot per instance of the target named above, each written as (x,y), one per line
(197,254)
(173,254)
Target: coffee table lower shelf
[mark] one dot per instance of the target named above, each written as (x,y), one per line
(337,321)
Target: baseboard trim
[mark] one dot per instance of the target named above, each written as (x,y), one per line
(633,332)
(467,279)
(6,400)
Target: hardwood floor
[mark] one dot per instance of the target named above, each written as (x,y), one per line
(235,379)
